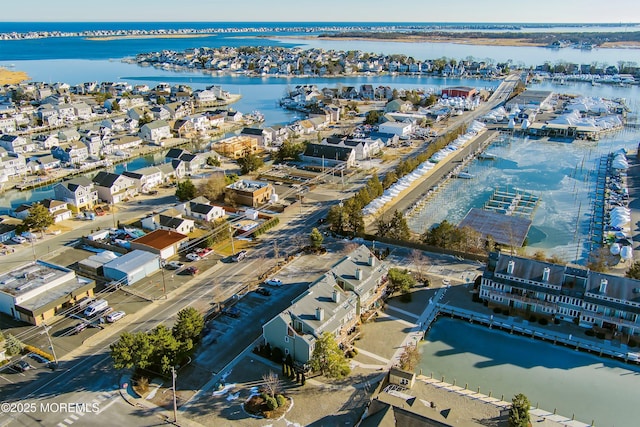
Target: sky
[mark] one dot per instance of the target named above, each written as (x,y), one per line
(552,11)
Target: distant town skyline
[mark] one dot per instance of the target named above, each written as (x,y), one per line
(490,11)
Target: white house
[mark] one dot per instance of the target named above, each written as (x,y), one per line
(79,193)
(401,129)
(113,188)
(155,131)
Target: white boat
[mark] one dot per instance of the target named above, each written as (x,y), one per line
(465,175)
(615,249)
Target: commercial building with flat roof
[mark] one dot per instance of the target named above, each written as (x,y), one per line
(39,291)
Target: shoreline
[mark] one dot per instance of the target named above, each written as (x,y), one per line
(8,77)
(523,42)
(148,36)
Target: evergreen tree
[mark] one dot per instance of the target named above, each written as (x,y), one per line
(519,411)
(186,190)
(328,358)
(189,325)
(39,218)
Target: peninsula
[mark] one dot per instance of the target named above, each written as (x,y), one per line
(8,77)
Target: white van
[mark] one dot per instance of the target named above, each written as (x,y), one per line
(96,307)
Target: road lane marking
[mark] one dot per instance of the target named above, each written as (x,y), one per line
(108,405)
(68,421)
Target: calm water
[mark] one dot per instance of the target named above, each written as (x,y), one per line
(573,382)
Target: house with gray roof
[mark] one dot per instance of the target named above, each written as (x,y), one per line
(155,131)
(16,144)
(146,178)
(334,303)
(528,287)
(329,155)
(79,193)
(113,188)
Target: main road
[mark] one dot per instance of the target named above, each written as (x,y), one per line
(86,380)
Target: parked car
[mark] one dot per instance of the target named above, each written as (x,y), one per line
(193,257)
(192,270)
(115,316)
(263,291)
(273,282)
(18,239)
(38,358)
(21,366)
(203,252)
(232,312)
(174,265)
(80,327)
(239,256)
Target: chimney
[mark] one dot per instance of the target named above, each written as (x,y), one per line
(372,260)
(320,313)
(510,267)
(603,286)
(336,296)
(545,274)
(358,273)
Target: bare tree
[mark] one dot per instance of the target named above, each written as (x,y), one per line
(271,383)
(410,357)
(350,247)
(419,261)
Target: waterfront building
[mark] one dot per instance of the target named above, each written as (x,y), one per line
(113,188)
(164,243)
(529,287)
(146,178)
(155,131)
(333,303)
(39,291)
(11,164)
(73,152)
(235,147)
(16,144)
(79,193)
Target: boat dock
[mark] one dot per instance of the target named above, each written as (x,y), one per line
(512,202)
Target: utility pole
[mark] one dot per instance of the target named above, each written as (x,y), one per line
(175,403)
(164,284)
(233,250)
(53,351)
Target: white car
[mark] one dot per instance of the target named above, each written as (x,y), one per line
(193,257)
(174,265)
(115,316)
(273,282)
(18,239)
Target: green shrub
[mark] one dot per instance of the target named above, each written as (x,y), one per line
(632,343)
(543,321)
(271,403)
(497,310)
(505,311)
(276,354)
(532,318)
(589,333)
(600,335)
(281,400)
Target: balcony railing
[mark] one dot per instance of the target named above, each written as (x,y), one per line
(611,319)
(514,297)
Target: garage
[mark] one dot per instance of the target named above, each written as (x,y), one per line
(132,267)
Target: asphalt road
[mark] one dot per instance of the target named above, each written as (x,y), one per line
(87,377)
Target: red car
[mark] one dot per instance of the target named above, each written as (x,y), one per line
(192,270)
(204,252)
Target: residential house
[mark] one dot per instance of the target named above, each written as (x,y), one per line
(66,112)
(250,193)
(175,169)
(16,144)
(7,124)
(79,193)
(329,155)
(11,164)
(334,303)
(7,231)
(46,142)
(365,148)
(163,243)
(127,142)
(155,131)
(68,135)
(264,138)
(528,287)
(398,105)
(58,209)
(146,178)
(367,92)
(159,112)
(82,110)
(402,129)
(47,162)
(170,220)
(113,188)
(235,147)
(204,211)
(74,152)
(233,116)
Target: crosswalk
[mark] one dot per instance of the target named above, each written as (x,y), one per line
(108,397)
